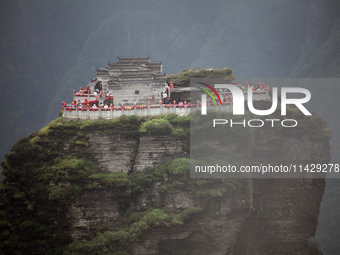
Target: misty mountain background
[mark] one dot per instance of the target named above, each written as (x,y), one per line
(48,48)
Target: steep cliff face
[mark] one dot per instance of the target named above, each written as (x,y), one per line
(284,217)
(267,218)
(123,187)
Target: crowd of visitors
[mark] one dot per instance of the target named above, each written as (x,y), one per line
(165,97)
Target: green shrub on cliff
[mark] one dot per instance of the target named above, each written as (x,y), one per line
(137,225)
(157,127)
(170,124)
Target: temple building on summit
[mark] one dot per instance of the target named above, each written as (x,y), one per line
(131,81)
(137,86)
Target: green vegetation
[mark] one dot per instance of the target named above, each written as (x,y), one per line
(137,224)
(46,171)
(42,176)
(183,77)
(157,127)
(174,174)
(49,180)
(170,124)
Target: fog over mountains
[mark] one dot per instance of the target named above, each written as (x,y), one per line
(49,48)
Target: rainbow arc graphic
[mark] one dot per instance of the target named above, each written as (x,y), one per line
(208,92)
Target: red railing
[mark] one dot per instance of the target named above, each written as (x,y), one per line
(86,104)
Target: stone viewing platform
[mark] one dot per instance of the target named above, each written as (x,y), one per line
(135,86)
(74,112)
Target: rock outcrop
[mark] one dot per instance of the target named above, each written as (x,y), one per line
(114,187)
